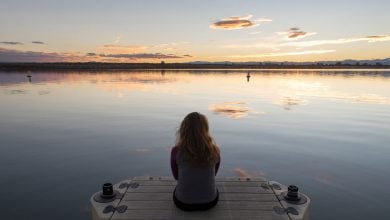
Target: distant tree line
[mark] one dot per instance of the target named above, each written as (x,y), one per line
(163,65)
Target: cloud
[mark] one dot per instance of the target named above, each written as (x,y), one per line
(376,36)
(7,55)
(255,32)
(237,22)
(113,48)
(118,39)
(264,44)
(280,54)
(276,44)
(91,54)
(171,44)
(369,39)
(124,49)
(137,52)
(37,42)
(137,56)
(295,33)
(263,20)
(11,43)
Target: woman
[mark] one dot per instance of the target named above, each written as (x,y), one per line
(194,162)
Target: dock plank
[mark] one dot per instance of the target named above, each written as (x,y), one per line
(234,179)
(221,188)
(176,214)
(223,205)
(241,179)
(239,198)
(218,183)
(167,196)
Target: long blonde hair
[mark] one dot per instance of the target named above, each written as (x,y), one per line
(195,142)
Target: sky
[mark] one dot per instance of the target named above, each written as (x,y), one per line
(185,31)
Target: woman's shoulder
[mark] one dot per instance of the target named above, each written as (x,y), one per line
(174,149)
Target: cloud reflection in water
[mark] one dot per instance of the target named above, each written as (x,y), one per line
(352,98)
(235,110)
(298,93)
(15,92)
(44,92)
(289,101)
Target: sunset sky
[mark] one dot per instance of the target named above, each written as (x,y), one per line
(201,30)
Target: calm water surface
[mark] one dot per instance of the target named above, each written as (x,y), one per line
(64,134)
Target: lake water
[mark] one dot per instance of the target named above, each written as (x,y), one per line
(64,134)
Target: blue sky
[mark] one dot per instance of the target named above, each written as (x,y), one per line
(180,31)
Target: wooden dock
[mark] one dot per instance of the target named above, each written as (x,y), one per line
(150,198)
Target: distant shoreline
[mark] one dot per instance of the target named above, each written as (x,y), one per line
(172,66)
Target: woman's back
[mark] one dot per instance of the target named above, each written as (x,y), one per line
(195,183)
(194,162)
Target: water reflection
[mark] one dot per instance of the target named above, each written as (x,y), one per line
(14,78)
(120,95)
(85,128)
(280,88)
(325,178)
(240,172)
(43,92)
(350,98)
(142,150)
(287,89)
(288,102)
(248,76)
(15,91)
(235,110)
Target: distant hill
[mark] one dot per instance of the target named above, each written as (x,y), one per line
(385,62)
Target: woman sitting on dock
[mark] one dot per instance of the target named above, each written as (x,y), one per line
(194,162)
